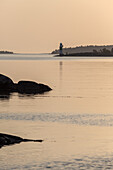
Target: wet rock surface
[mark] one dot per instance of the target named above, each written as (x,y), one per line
(6,139)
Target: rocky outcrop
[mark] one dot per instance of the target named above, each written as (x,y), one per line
(27,87)
(6,139)
(31,87)
(6,84)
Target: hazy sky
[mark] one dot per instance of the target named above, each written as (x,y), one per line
(40,25)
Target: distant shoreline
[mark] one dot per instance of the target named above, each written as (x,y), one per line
(6,52)
(10,52)
(102,53)
(91,50)
(85,55)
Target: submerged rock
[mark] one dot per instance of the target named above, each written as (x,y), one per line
(6,139)
(27,87)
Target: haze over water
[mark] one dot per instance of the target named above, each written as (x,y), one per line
(40,25)
(75,119)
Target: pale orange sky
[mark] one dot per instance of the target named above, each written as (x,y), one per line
(40,25)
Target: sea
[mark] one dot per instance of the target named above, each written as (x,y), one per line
(75,119)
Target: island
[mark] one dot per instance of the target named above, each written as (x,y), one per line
(6,52)
(85,51)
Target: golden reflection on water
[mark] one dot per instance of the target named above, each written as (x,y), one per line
(83,87)
(78,86)
(62,142)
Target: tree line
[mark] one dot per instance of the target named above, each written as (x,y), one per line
(103,51)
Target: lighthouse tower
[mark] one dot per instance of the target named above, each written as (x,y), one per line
(60,49)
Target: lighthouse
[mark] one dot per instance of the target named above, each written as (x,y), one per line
(60,49)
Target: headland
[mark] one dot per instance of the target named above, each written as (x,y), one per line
(86,51)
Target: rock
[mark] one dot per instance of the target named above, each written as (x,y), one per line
(27,87)
(6,84)
(6,139)
(32,87)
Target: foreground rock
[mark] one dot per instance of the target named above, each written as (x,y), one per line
(6,139)
(31,87)
(28,87)
(6,84)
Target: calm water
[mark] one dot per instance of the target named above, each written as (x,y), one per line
(75,119)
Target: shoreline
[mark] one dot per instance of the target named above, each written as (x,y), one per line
(83,56)
(6,52)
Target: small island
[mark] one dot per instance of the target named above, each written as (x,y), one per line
(6,52)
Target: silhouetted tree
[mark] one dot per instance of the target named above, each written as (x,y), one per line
(95,51)
(112,51)
(105,51)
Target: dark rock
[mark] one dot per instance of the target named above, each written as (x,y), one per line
(6,84)
(27,87)
(6,139)
(32,87)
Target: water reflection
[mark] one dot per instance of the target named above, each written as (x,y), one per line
(61,69)
(4,95)
(60,74)
(26,96)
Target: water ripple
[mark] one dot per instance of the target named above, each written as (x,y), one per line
(78,119)
(84,163)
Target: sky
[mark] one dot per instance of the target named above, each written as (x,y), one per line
(36,26)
